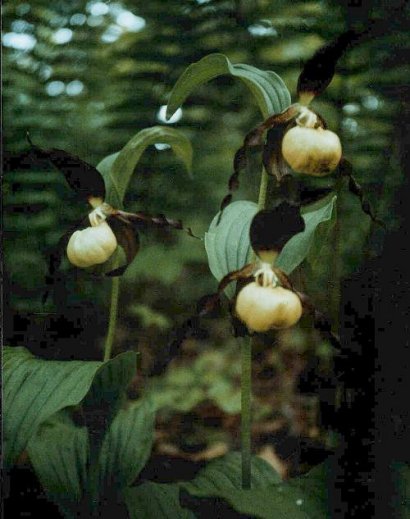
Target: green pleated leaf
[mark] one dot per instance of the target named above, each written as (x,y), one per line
(155,501)
(221,480)
(225,474)
(318,217)
(162,501)
(267,87)
(127,445)
(113,443)
(227,244)
(110,383)
(35,389)
(117,169)
(269,497)
(59,452)
(100,407)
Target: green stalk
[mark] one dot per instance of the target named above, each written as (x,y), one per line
(246,378)
(246,391)
(336,268)
(263,190)
(115,291)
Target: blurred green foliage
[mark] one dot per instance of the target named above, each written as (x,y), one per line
(212,376)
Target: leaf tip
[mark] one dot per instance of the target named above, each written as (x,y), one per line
(169,112)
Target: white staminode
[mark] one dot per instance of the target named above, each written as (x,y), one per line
(266,275)
(306,118)
(97,216)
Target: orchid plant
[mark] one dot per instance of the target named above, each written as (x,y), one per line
(85,440)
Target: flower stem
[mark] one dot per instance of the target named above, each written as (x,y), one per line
(246,378)
(115,291)
(246,387)
(263,190)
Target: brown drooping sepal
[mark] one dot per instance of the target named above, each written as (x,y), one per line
(319,70)
(82,177)
(272,228)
